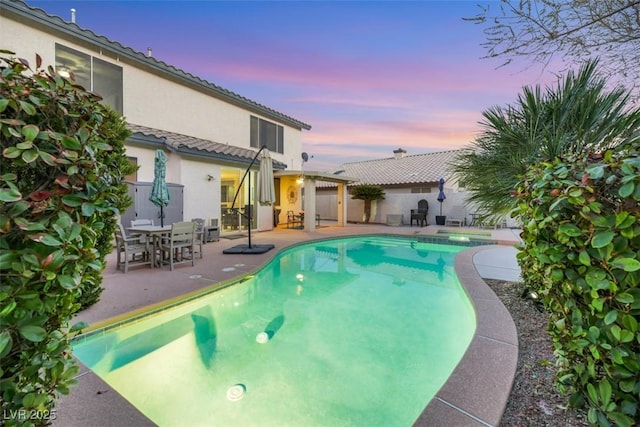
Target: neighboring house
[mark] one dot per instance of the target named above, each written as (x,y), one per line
(406,179)
(209,134)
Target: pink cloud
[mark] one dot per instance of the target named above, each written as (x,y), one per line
(448,132)
(328,99)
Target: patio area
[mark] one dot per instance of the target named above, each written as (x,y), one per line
(475,394)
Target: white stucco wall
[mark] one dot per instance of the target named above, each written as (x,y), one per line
(184,110)
(201,196)
(397,201)
(145,157)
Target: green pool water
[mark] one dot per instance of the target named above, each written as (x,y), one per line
(360,332)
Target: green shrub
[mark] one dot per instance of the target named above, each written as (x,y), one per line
(581,231)
(114,167)
(60,187)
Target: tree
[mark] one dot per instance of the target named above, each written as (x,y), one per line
(572,30)
(367,193)
(578,115)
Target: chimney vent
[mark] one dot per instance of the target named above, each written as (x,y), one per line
(399,153)
(73,16)
(149,52)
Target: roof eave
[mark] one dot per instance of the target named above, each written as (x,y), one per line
(72,30)
(154,142)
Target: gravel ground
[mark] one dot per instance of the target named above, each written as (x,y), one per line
(534,400)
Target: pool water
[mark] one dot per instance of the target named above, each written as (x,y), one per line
(354,331)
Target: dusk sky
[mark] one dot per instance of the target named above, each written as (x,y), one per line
(368,76)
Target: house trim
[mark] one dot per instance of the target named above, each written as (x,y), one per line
(149,139)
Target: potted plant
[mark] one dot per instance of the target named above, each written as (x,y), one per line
(441,219)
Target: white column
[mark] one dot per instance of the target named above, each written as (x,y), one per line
(342,204)
(309,204)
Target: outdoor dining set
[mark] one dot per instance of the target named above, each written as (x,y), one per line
(144,243)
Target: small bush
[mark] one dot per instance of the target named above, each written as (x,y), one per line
(60,188)
(581,219)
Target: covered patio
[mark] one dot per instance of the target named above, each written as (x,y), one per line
(304,182)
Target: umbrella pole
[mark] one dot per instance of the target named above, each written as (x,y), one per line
(161,217)
(247,172)
(249,213)
(248,249)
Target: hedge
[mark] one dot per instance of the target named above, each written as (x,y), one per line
(61,186)
(581,233)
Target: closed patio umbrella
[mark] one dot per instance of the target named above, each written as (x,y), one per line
(266,188)
(159,190)
(441,195)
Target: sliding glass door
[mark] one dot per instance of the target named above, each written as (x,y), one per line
(235,216)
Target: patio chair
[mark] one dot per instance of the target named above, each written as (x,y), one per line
(128,248)
(230,219)
(199,234)
(179,246)
(293,220)
(485,220)
(457,217)
(495,223)
(420,214)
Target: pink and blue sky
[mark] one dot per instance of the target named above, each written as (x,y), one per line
(368,76)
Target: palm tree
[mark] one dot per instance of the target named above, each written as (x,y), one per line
(367,193)
(578,115)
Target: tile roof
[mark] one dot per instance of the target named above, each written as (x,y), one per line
(413,169)
(71,29)
(185,144)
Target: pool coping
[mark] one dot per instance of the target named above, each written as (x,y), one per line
(467,399)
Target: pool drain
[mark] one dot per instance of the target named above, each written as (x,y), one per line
(236,392)
(262,338)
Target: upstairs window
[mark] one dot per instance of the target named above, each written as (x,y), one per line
(266,133)
(93,74)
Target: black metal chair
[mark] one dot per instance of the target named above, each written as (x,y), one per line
(420,214)
(294,221)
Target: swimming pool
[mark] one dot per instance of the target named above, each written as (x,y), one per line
(357,331)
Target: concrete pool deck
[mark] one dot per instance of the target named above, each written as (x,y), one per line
(475,394)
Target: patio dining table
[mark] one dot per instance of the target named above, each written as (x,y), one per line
(153,234)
